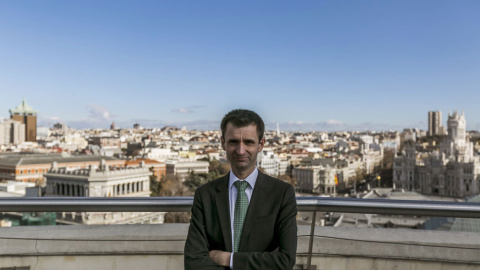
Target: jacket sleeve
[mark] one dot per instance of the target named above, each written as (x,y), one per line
(286,227)
(196,246)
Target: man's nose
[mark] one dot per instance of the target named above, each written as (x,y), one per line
(241,148)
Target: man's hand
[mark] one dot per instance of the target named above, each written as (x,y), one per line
(221,258)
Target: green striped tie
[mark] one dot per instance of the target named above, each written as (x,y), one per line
(241,206)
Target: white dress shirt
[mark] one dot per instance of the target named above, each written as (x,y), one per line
(232,194)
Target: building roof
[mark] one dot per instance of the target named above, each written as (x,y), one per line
(398,194)
(147,162)
(17,159)
(23,108)
(467,224)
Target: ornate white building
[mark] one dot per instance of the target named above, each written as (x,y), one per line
(102,181)
(452,171)
(271,164)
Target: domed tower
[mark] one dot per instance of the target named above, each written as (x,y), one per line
(25,114)
(457,146)
(457,128)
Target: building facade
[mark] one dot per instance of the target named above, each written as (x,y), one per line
(452,171)
(271,164)
(435,127)
(25,114)
(308,179)
(30,167)
(11,132)
(183,168)
(101,181)
(98,181)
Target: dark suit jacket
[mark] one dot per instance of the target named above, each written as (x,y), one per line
(269,236)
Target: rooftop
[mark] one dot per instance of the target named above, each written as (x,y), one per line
(17,159)
(161,246)
(23,108)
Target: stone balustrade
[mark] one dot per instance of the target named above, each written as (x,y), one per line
(161,247)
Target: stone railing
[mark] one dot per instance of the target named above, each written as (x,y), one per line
(161,246)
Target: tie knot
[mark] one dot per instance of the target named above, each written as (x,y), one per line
(241,185)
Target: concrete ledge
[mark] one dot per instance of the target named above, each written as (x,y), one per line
(161,247)
(437,246)
(93,240)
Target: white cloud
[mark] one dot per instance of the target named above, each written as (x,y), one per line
(189,109)
(98,113)
(334,122)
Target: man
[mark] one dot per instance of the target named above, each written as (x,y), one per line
(245,219)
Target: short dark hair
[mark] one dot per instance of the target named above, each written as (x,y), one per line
(243,118)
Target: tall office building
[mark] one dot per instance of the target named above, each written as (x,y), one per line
(11,132)
(435,123)
(25,114)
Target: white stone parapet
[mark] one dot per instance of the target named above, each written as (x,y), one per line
(161,247)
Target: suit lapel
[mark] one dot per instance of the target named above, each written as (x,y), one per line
(259,192)
(223,208)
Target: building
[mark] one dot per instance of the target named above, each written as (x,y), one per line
(98,181)
(43,133)
(271,164)
(158,168)
(14,189)
(11,132)
(308,179)
(159,154)
(105,141)
(404,168)
(453,170)
(183,168)
(25,114)
(435,127)
(318,175)
(370,151)
(30,167)
(101,181)
(60,127)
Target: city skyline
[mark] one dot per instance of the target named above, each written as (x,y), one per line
(308,66)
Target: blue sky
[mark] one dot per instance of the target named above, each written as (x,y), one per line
(322,65)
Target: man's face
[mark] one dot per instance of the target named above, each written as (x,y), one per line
(242,147)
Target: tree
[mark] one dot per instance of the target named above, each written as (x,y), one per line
(221,168)
(155,186)
(359,174)
(170,186)
(386,172)
(177,217)
(216,169)
(195,180)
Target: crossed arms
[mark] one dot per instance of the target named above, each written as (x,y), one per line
(271,243)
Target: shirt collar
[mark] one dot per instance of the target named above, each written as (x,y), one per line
(251,179)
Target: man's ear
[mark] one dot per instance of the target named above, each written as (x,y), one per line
(222,140)
(261,144)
